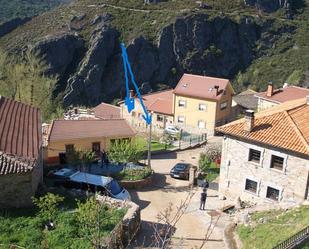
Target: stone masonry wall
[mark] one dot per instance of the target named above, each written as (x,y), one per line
(15,190)
(292,181)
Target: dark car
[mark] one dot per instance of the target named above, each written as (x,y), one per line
(180,170)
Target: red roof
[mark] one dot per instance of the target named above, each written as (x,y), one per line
(160,102)
(285,94)
(20,136)
(20,129)
(107,111)
(284,126)
(79,129)
(202,87)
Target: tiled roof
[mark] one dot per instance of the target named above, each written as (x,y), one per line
(20,136)
(201,86)
(247,99)
(107,111)
(79,129)
(10,164)
(284,126)
(284,94)
(159,102)
(20,129)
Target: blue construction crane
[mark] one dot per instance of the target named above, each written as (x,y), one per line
(129,101)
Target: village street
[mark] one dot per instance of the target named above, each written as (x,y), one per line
(193,225)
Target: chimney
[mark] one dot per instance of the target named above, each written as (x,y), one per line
(217,89)
(270,89)
(249,120)
(131,93)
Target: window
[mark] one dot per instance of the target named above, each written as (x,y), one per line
(272,193)
(69,148)
(182,103)
(201,124)
(223,105)
(181,119)
(202,107)
(254,156)
(277,162)
(251,186)
(96,147)
(159,118)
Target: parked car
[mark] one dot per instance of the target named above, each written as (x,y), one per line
(172,130)
(181,170)
(69,178)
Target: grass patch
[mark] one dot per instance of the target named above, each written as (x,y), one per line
(133,174)
(213,172)
(155,145)
(24,227)
(284,223)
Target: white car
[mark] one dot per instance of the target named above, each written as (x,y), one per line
(172,130)
(81,180)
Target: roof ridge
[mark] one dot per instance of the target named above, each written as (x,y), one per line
(65,120)
(204,76)
(165,90)
(105,104)
(298,132)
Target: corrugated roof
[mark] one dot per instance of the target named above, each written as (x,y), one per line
(286,94)
(79,129)
(107,111)
(284,126)
(20,128)
(201,86)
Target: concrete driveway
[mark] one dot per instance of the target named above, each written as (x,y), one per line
(193,225)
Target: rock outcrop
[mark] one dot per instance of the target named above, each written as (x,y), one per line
(85,87)
(8,26)
(58,52)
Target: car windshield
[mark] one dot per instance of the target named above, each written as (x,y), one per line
(180,166)
(114,187)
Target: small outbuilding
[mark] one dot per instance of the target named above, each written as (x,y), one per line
(21,169)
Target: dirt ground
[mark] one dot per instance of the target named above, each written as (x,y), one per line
(191,229)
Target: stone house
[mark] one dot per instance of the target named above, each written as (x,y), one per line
(96,135)
(244,101)
(21,168)
(272,97)
(265,157)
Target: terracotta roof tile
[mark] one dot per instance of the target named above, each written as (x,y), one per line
(284,126)
(79,129)
(159,102)
(286,94)
(107,111)
(20,135)
(201,86)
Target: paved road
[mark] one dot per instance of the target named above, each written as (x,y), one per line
(192,227)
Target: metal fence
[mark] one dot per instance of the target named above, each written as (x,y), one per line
(294,241)
(191,140)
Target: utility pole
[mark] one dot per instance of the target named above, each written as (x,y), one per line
(149,143)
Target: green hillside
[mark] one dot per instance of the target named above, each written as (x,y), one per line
(23,8)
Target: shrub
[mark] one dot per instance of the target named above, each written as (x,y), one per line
(134,174)
(123,151)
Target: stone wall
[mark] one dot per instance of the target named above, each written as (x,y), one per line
(123,234)
(137,184)
(292,181)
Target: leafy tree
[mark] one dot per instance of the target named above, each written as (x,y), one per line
(124,151)
(47,205)
(167,139)
(81,158)
(25,81)
(90,216)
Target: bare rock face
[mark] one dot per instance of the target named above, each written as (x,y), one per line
(58,52)
(8,26)
(85,86)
